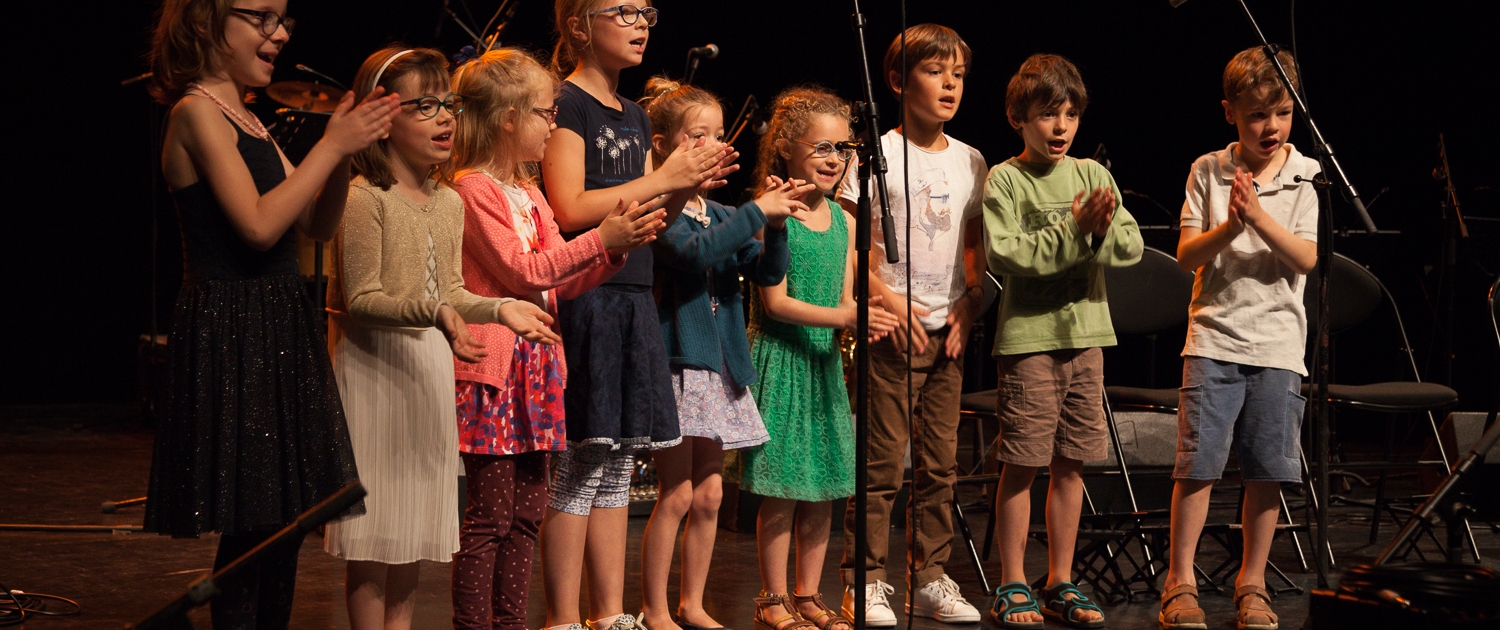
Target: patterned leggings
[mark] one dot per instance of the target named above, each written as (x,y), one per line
(492,569)
(592,476)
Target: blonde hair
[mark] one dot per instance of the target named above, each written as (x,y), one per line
(186,45)
(567,53)
(668,102)
(1251,74)
(501,81)
(791,115)
(430,68)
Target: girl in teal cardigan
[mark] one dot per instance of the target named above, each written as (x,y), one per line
(699,261)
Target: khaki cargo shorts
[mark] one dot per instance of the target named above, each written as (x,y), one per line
(1052,404)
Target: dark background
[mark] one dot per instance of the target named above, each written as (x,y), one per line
(1383,83)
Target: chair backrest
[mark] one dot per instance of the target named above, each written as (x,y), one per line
(1354,294)
(1494,318)
(1149,296)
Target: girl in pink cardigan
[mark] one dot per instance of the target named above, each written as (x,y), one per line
(510,404)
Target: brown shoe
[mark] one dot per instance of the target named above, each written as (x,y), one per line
(790,621)
(826,618)
(1180,613)
(1253,606)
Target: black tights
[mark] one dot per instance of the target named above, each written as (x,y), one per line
(261,598)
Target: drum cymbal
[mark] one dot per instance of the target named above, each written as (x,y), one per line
(304,95)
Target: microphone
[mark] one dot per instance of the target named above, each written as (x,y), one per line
(1176,3)
(847,144)
(315,73)
(709,51)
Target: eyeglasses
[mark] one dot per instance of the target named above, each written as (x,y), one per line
(825,148)
(548,114)
(629,13)
(269,20)
(428,105)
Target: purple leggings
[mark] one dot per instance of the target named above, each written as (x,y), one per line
(507,497)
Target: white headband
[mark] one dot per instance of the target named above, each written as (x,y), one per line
(387,64)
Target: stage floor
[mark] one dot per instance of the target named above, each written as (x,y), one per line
(60,463)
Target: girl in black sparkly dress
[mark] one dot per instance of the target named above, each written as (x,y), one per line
(254,432)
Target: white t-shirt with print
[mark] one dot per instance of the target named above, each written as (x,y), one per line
(1247,302)
(947,188)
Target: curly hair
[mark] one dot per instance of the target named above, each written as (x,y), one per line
(791,115)
(1250,74)
(502,82)
(668,102)
(431,70)
(186,45)
(1046,80)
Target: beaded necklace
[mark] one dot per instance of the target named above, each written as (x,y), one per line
(252,126)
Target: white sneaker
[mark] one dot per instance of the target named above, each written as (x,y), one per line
(878,613)
(942,601)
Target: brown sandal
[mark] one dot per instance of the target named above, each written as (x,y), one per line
(1177,613)
(1253,609)
(767,600)
(834,619)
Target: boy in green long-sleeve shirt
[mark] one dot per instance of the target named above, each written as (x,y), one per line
(1052,224)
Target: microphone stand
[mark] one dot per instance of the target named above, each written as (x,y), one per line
(872,161)
(1320,375)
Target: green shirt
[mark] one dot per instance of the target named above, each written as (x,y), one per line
(1054,273)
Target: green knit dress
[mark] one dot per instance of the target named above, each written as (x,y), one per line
(801,391)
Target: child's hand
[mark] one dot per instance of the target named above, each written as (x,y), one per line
(1248,207)
(882,322)
(529,322)
(628,228)
(904,320)
(1094,214)
(352,127)
(453,326)
(726,166)
(694,163)
(783,199)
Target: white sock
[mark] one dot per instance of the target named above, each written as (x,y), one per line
(602,624)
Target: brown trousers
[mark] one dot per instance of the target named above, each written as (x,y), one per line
(937,383)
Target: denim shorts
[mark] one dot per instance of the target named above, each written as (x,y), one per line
(1262,404)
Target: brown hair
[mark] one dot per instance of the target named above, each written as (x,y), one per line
(791,115)
(1251,74)
(924,42)
(501,81)
(186,45)
(667,102)
(430,68)
(566,54)
(1047,80)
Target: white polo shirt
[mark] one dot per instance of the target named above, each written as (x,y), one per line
(1247,303)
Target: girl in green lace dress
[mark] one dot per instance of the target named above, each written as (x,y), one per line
(810,458)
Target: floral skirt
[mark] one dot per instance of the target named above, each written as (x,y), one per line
(710,406)
(523,416)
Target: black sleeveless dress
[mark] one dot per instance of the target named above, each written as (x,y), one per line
(253,433)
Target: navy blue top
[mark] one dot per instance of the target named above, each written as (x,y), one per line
(702,264)
(616,144)
(211,248)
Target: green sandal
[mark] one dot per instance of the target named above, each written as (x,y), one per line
(1004,606)
(1062,608)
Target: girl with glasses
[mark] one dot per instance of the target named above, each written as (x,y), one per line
(253,433)
(620,395)
(510,403)
(398,310)
(809,461)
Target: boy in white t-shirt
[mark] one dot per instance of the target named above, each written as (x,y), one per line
(1249,229)
(947,265)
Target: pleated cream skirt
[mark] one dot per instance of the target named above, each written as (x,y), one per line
(397,387)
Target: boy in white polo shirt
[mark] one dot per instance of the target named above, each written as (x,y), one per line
(946,266)
(1249,229)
